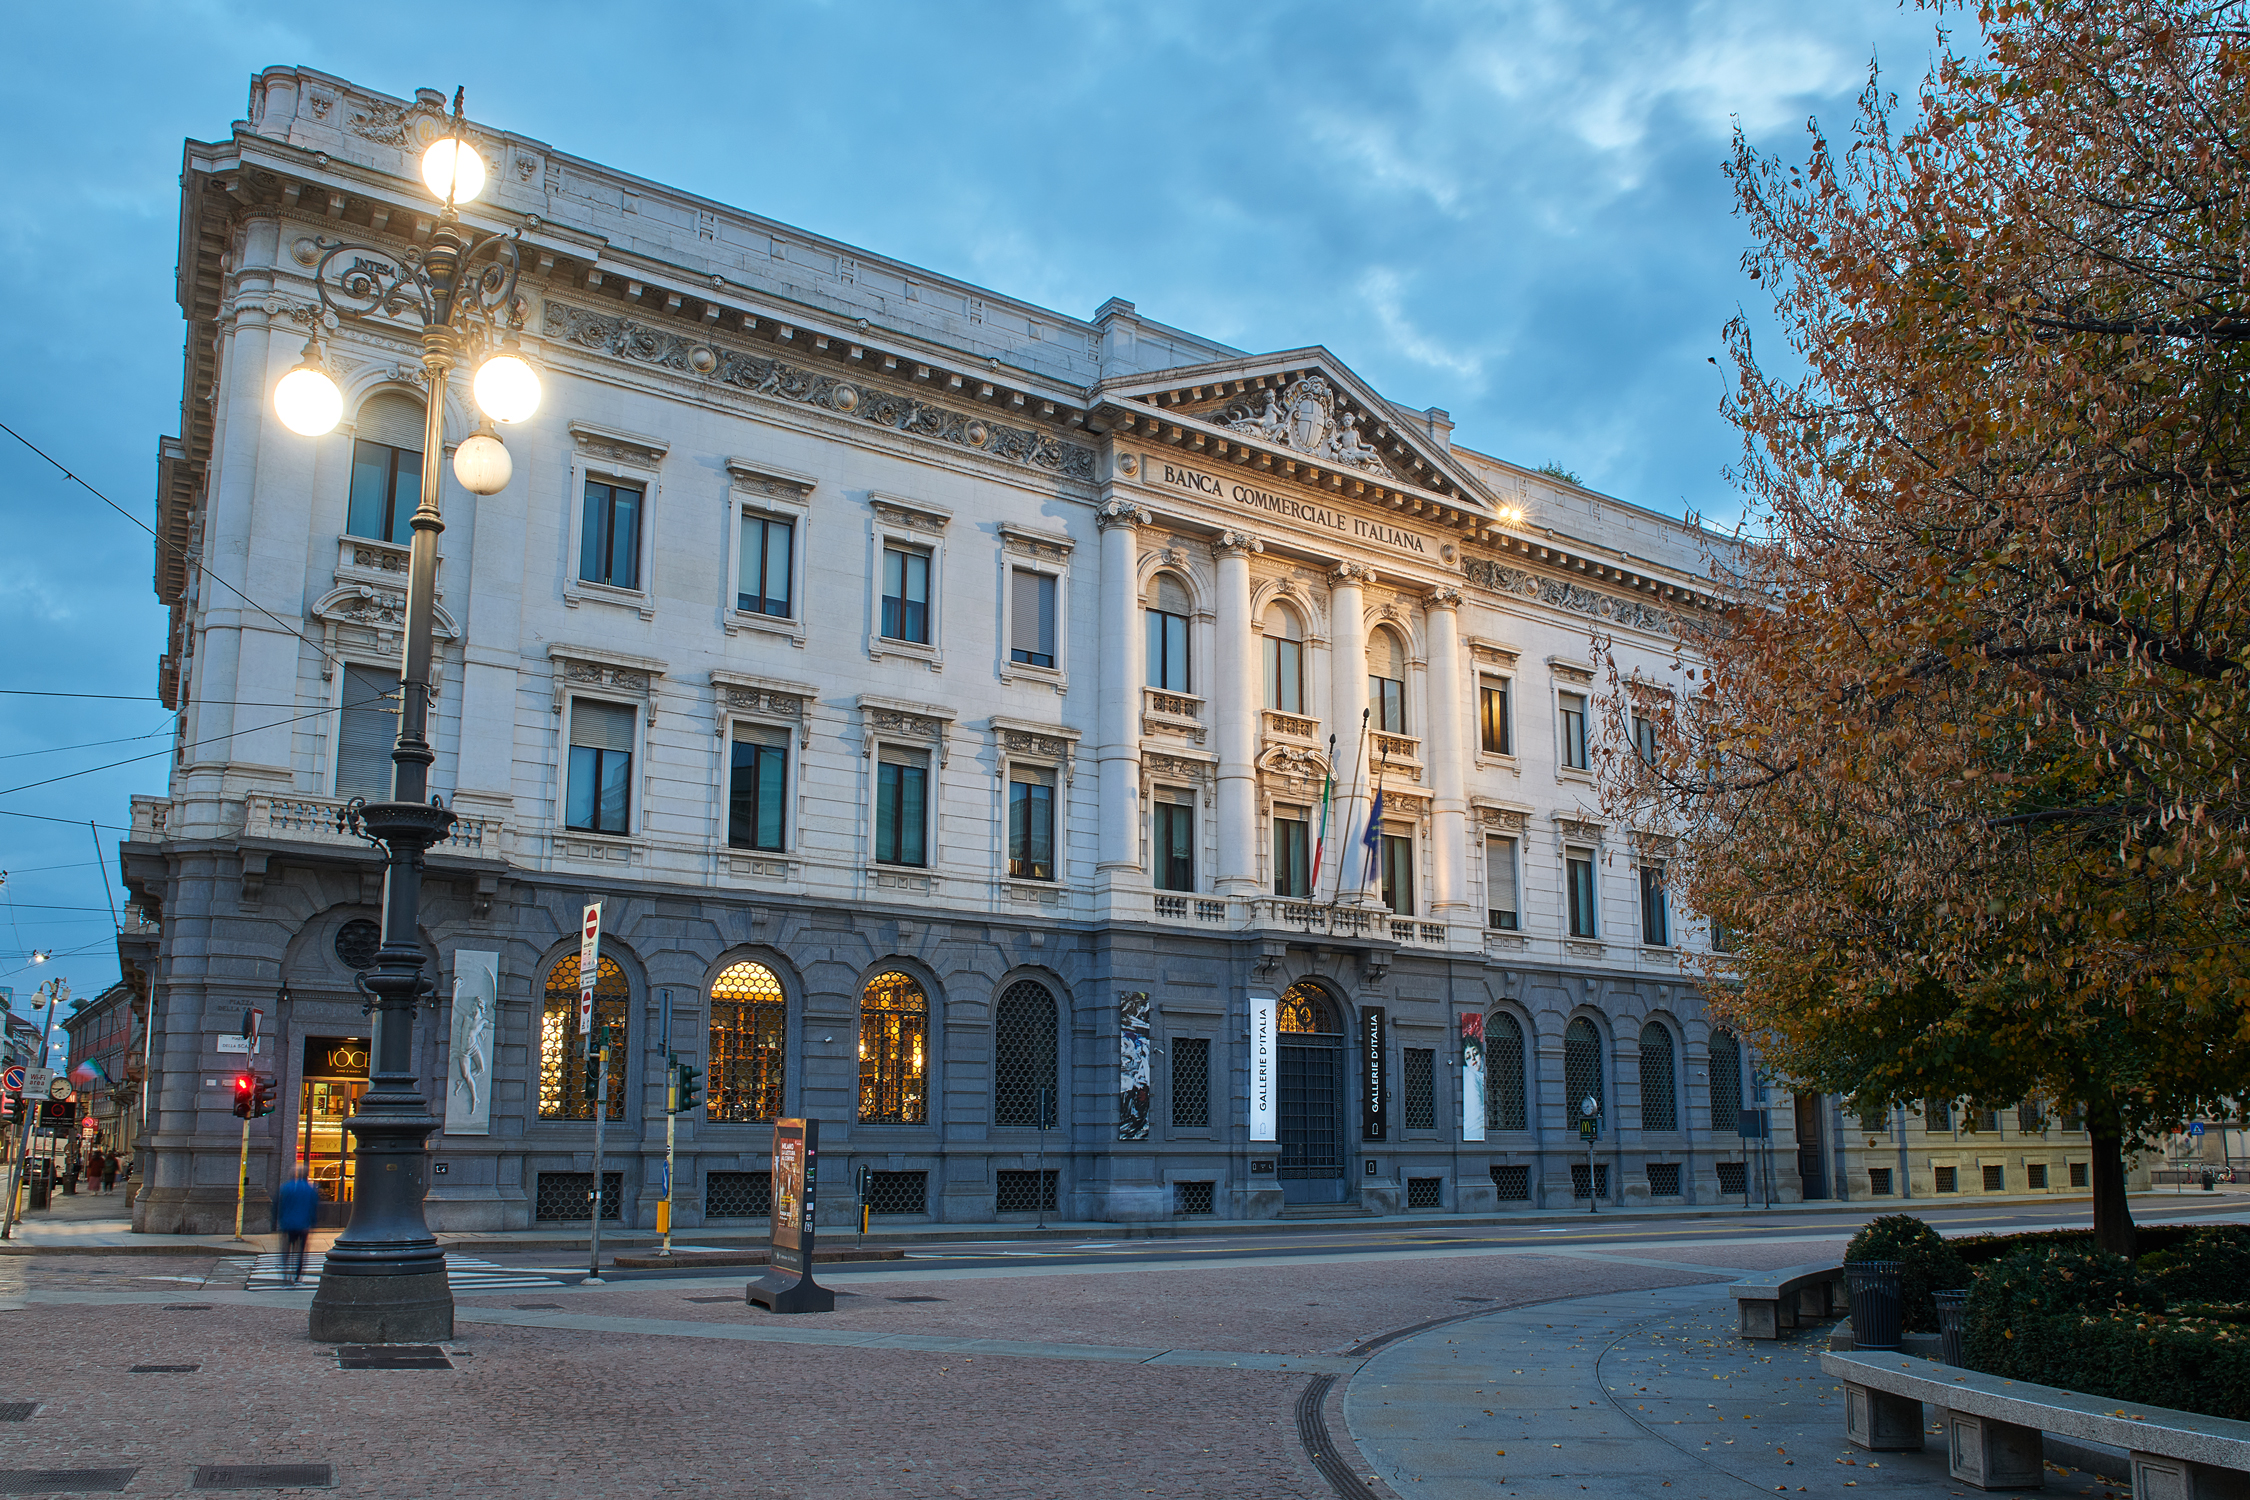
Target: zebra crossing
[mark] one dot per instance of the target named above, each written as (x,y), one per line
(465,1275)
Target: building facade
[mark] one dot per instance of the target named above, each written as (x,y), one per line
(964,713)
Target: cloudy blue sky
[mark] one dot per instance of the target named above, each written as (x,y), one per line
(1513,210)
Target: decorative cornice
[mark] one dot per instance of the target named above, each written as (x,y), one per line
(764,479)
(1564,594)
(627,447)
(1046,546)
(909,513)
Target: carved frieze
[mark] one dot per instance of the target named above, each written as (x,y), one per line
(1585,833)
(1305,419)
(1564,594)
(1173,768)
(1022,742)
(753,701)
(892,721)
(1044,546)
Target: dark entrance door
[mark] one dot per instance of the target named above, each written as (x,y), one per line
(1311,1123)
(1809,1156)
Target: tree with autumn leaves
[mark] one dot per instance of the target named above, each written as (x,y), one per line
(1957,758)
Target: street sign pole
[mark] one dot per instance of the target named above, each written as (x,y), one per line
(671,1124)
(242,1177)
(1046,1097)
(24,1110)
(601,1115)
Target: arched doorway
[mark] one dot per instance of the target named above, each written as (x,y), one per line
(1311,1124)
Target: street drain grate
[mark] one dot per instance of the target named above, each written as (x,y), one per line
(710,1299)
(1476,1299)
(17,1411)
(264,1476)
(164,1370)
(542,1306)
(187,1307)
(63,1481)
(913,1299)
(392,1357)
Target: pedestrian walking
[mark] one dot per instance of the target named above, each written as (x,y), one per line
(94,1170)
(294,1209)
(109,1170)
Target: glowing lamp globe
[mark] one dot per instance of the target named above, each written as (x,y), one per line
(453,170)
(307,401)
(507,388)
(482,464)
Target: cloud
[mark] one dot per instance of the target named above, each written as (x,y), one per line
(1382,289)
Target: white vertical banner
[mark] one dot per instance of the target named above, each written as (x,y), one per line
(1472,1076)
(468,1062)
(589,972)
(1264,1072)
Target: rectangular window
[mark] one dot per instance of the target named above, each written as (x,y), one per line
(1031,618)
(1656,916)
(1644,739)
(1398,873)
(1733,1177)
(1387,696)
(601,768)
(758,788)
(1937,1114)
(1292,851)
(365,733)
(1995,1179)
(1175,842)
(386,490)
(1512,1184)
(1285,675)
(768,550)
(902,788)
(1031,823)
(1578,882)
(1168,651)
(1501,910)
(906,594)
(1493,734)
(1946,1179)
(2078,1174)
(2035,1176)
(1418,1080)
(609,546)
(1879,1182)
(1573,709)
(1191,1082)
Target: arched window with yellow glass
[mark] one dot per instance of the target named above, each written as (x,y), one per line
(748,1044)
(894,1022)
(563,1063)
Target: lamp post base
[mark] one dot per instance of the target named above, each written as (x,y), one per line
(411,1309)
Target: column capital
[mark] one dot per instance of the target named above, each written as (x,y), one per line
(1122,513)
(1236,543)
(1351,572)
(1445,596)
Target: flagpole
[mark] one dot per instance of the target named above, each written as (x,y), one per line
(1327,799)
(1359,759)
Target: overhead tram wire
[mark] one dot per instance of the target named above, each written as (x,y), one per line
(318,713)
(141,698)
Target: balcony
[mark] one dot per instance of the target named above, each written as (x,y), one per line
(1189,908)
(1172,713)
(1291,729)
(1396,752)
(320,820)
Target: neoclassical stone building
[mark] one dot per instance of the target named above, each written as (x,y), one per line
(957,707)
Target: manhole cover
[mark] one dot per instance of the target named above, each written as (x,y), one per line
(913,1299)
(17,1411)
(710,1299)
(187,1307)
(166,1369)
(264,1476)
(392,1357)
(63,1481)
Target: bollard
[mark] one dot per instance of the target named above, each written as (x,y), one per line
(1875,1304)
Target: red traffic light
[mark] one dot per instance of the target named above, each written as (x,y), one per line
(245,1094)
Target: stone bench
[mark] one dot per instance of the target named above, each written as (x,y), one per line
(1994,1428)
(1775,1300)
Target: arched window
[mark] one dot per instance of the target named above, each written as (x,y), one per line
(1386,680)
(1582,1069)
(1660,1103)
(894,1020)
(1305,1009)
(1726,1083)
(563,1063)
(386,469)
(1168,636)
(1023,1056)
(1285,660)
(1504,1092)
(749,1043)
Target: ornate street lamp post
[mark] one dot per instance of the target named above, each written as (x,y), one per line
(384,1278)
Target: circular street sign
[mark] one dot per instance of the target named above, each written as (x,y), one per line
(13,1079)
(58,1089)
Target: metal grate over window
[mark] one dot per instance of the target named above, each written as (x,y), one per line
(1660,1102)
(1995,1179)
(894,1018)
(1023,1056)
(898,1192)
(1578,1179)
(1726,1084)
(1879,1182)
(1191,1083)
(1946,1179)
(1664,1179)
(357,942)
(1512,1184)
(1937,1114)
(738,1195)
(1582,1070)
(1733,1178)
(2078,1174)
(1027,1192)
(564,1195)
(562,1051)
(749,1043)
(1420,1088)
(1425,1192)
(1505,1097)
(1194,1197)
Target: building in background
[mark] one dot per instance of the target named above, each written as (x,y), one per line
(1942,1148)
(101,1062)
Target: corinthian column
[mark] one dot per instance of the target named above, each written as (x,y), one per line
(1119,753)
(1237,718)
(1445,750)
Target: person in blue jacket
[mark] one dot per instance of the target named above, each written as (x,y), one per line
(294,1209)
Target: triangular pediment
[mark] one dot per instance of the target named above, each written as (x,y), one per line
(1305,408)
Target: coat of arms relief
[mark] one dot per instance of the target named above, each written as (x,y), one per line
(1304,418)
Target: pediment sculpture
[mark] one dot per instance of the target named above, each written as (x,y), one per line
(1303,418)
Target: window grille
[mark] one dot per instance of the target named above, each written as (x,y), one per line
(1874,1119)
(749,1031)
(2078,1174)
(1191,1083)
(1194,1197)
(357,943)
(1600,1179)
(1660,1105)
(1512,1184)
(563,1195)
(2073,1117)
(738,1195)
(1023,1056)
(1027,1192)
(1995,1179)
(2031,1117)
(1946,1179)
(1504,1093)
(1734,1177)
(1987,1119)
(1664,1179)
(1879,1181)
(1582,1071)
(898,1192)
(1726,1083)
(1421,1088)
(2035,1176)
(1425,1192)
(893,1084)
(1937,1114)
(563,1060)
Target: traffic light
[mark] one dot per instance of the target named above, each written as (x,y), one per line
(264,1095)
(690,1088)
(245,1095)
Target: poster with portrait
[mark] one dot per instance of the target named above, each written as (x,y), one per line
(1472,1076)
(468,1061)
(1132,1066)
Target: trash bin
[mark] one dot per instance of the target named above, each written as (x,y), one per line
(39,1189)
(2210,1183)
(1875,1304)
(1952,1307)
